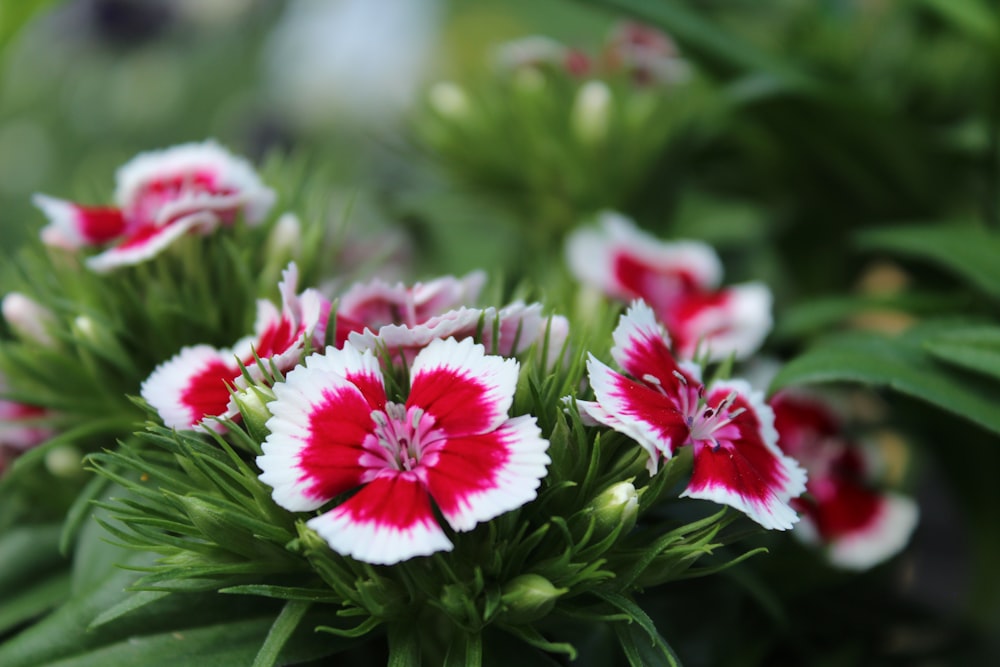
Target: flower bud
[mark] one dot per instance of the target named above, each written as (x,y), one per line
(449,100)
(591,114)
(528,597)
(252,403)
(65,461)
(286,238)
(617,505)
(30,320)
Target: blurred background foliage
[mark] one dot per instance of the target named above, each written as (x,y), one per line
(827,138)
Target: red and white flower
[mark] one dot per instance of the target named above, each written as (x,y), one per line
(403,320)
(507,331)
(679,280)
(843,510)
(159,197)
(22,427)
(663,406)
(376,304)
(645,53)
(195,384)
(450,445)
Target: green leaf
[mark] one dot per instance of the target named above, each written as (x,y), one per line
(129,604)
(80,510)
(974,348)
(818,315)
(901,364)
(224,644)
(970,253)
(973,18)
(27,552)
(653,639)
(40,595)
(639,651)
(288,620)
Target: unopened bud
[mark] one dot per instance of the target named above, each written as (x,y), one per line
(528,597)
(449,100)
(591,114)
(64,461)
(617,505)
(30,320)
(252,403)
(286,237)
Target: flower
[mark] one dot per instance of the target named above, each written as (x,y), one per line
(195,384)
(334,430)
(679,280)
(376,304)
(404,320)
(645,53)
(858,524)
(663,406)
(159,197)
(22,427)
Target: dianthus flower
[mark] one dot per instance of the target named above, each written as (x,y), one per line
(664,406)
(679,280)
(22,427)
(843,510)
(450,443)
(403,320)
(159,197)
(195,384)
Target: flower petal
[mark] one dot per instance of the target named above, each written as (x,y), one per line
(744,467)
(466,391)
(624,262)
(281,336)
(388,521)
(377,303)
(321,420)
(649,417)
(641,349)
(144,242)
(74,226)
(732,321)
(157,187)
(191,386)
(885,530)
(403,343)
(522,325)
(473,479)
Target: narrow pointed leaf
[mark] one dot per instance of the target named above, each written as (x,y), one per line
(900,364)
(970,253)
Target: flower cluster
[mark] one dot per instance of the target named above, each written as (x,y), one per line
(360,422)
